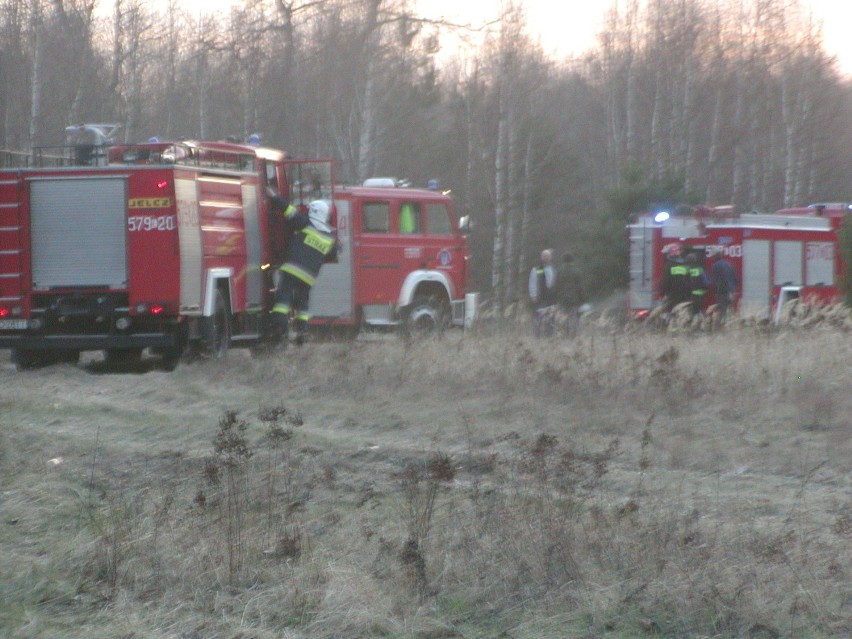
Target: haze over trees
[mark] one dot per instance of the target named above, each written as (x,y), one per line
(681,102)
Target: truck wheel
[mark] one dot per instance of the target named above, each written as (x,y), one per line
(26,360)
(427,316)
(215,330)
(123,357)
(68,357)
(169,358)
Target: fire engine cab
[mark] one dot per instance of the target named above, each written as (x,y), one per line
(173,247)
(403,258)
(778,256)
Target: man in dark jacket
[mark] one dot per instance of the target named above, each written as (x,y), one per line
(723,275)
(310,244)
(569,292)
(543,295)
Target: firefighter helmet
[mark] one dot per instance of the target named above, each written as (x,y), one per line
(319,213)
(672,250)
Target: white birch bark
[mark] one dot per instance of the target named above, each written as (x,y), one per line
(500,197)
(35,81)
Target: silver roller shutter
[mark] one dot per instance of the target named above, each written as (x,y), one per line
(79,232)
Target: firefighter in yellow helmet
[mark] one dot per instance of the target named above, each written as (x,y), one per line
(310,244)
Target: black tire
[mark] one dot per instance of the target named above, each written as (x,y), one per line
(26,359)
(169,359)
(68,357)
(123,357)
(216,329)
(426,317)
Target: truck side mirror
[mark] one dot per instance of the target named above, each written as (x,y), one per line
(465,224)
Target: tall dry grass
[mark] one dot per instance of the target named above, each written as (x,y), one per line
(623,483)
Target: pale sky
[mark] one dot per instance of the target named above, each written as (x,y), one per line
(569,26)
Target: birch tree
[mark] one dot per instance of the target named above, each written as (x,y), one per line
(35,31)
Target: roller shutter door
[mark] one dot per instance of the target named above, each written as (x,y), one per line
(79,232)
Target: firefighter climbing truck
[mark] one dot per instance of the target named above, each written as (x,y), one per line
(791,253)
(171,248)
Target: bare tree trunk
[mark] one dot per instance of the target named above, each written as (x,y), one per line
(740,159)
(117,46)
(35,81)
(501,202)
(789,112)
(366,145)
(515,194)
(471,130)
(713,174)
(171,44)
(526,216)
(631,113)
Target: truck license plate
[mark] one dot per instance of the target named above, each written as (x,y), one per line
(13,325)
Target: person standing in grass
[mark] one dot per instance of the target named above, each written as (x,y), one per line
(723,276)
(569,293)
(543,295)
(698,283)
(675,285)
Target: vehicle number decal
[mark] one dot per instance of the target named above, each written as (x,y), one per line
(151,223)
(728,250)
(149,203)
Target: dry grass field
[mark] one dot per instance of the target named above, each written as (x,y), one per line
(618,484)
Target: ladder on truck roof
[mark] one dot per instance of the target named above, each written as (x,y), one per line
(11,256)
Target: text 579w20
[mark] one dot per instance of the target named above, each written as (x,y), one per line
(151,223)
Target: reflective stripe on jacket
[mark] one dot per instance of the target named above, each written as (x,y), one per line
(698,280)
(309,249)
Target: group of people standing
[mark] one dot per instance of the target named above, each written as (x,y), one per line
(685,280)
(556,294)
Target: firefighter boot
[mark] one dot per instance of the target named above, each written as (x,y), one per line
(278,330)
(300,325)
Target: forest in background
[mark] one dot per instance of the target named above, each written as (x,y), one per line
(680,102)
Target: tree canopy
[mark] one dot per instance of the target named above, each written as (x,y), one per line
(723,102)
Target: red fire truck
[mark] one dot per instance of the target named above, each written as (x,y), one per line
(403,261)
(172,247)
(778,256)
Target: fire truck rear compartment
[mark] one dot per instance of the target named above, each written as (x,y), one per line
(79,232)
(80,269)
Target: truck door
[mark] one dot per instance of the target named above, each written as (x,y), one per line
(788,263)
(641,237)
(379,254)
(756,277)
(331,295)
(309,180)
(445,248)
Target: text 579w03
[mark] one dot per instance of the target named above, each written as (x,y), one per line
(151,223)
